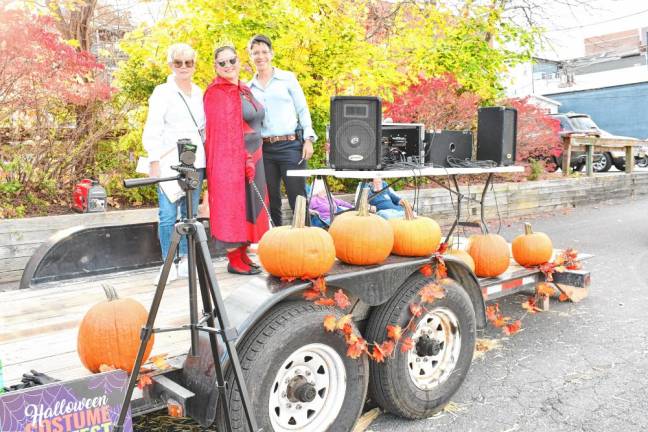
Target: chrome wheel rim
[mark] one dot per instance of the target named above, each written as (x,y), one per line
(314,371)
(601,163)
(437,340)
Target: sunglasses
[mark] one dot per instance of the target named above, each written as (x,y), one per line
(224,63)
(186,63)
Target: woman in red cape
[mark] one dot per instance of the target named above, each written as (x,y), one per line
(234,152)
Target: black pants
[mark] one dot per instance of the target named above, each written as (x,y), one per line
(277,159)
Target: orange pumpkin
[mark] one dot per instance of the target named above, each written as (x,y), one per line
(463,256)
(362,238)
(109,333)
(297,250)
(531,248)
(490,253)
(415,235)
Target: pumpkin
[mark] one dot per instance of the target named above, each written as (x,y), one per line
(415,235)
(463,256)
(297,250)
(531,248)
(109,333)
(362,238)
(490,253)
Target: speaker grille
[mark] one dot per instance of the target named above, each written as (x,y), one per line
(355,141)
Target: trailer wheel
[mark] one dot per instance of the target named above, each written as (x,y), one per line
(298,376)
(420,382)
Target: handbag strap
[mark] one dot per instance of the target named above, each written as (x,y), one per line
(188,109)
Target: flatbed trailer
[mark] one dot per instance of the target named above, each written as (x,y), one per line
(298,375)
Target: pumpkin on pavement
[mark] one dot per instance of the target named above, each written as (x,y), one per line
(109,333)
(362,238)
(531,248)
(490,253)
(297,250)
(415,235)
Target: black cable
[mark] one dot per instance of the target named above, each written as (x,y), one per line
(468,163)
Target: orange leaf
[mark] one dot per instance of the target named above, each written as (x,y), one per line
(513,328)
(443,247)
(330,322)
(407,344)
(160,361)
(394,332)
(106,368)
(492,311)
(378,355)
(387,348)
(325,301)
(347,329)
(345,320)
(341,299)
(320,285)
(357,348)
(288,278)
(500,321)
(430,292)
(311,294)
(560,269)
(426,270)
(416,309)
(563,297)
(575,266)
(530,305)
(175,410)
(440,269)
(144,381)
(544,289)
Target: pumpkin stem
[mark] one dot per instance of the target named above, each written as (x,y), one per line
(299,215)
(363,202)
(527,228)
(409,213)
(111,294)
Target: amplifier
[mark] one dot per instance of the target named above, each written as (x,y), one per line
(442,145)
(403,142)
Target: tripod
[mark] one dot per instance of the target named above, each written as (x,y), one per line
(199,260)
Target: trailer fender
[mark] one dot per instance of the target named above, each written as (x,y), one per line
(461,273)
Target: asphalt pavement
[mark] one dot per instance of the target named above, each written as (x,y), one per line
(577,367)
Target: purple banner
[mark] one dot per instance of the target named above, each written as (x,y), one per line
(89,404)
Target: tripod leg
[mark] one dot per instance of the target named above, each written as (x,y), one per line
(223,323)
(202,263)
(147,331)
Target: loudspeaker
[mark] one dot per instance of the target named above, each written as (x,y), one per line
(441,145)
(497,134)
(356,133)
(404,142)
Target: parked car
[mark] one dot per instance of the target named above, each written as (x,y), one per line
(573,123)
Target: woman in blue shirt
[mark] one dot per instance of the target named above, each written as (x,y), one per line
(285,109)
(387,204)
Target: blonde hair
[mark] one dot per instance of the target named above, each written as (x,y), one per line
(318,187)
(180,48)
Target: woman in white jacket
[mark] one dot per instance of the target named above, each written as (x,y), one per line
(175,112)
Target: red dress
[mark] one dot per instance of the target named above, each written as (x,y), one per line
(233,127)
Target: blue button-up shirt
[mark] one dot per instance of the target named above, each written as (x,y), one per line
(284,103)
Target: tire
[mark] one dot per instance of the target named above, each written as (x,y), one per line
(279,356)
(604,164)
(642,162)
(579,166)
(620,165)
(392,384)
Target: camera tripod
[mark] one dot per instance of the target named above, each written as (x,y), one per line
(199,261)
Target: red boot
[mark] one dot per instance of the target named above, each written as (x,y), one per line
(246,259)
(237,266)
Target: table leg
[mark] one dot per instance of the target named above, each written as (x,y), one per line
(629,157)
(458,216)
(590,160)
(484,227)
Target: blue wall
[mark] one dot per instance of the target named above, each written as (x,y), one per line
(620,110)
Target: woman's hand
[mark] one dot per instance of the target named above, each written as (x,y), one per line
(307,150)
(154,169)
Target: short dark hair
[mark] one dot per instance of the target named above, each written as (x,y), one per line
(260,39)
(222,48)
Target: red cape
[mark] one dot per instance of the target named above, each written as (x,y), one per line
(225,154)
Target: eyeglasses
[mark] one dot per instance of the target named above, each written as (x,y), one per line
(231,61)
(186,63)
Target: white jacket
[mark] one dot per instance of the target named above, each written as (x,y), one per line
(168,121)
